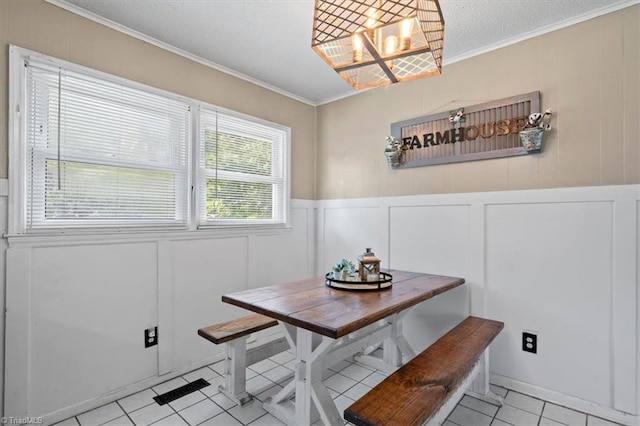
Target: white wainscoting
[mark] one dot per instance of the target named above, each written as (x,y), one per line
(560,262)
(77,307)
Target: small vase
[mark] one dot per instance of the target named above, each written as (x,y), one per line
(340,275)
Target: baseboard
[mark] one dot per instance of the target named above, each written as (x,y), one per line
(568,401)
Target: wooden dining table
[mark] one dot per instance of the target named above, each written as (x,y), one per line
(325,325)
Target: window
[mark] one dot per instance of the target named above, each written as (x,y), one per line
(242,170)
(89,151)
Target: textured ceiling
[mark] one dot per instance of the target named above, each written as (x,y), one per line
(269,41)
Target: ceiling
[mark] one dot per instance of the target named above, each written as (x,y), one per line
(269,41)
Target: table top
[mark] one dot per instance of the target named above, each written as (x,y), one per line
(312,305)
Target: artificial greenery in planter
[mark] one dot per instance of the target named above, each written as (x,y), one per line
(342,269)
(531,133)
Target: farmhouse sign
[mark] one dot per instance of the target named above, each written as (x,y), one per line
(478,132)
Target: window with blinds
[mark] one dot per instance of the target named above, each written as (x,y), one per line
(242,170)
(89,150)
(102,154)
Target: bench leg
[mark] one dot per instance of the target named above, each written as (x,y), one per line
(235,373)
(480,388)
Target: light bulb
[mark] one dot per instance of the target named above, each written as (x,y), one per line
(357,48)
(390,45)
(371,17)
(406,28)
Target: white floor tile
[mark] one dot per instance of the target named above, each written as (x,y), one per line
(214,385)
(264,365)
(373,379)
(223,401)
(172,420)
(169,385)
(279,374)
(100,415)
(464,416)
(283,357)
(448,423)
(596,421)
(187,400)
(267,420)
(258,384)
(356,372)
(218,367)
(120,421)
(326,374)
(150,414)
(69,422)
(548,422)
(516,416)
(497,422)
(200,412)
(357,391)
(137,400)
(223,419)
(498,390)
(524,402)
(202,373)
(291,365)
(268,393)
(342,403)
(250,374)
(478,405)
(339,383)
(333,393)
(340,365)
(564,415)
(248,413)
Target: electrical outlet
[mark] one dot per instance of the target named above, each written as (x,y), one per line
(529,342)
(150,337)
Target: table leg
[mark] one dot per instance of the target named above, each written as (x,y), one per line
(313,400)
(310,391)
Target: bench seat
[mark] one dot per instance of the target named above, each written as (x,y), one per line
(418,390)
(230,330)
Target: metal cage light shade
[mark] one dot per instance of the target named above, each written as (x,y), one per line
(372,43)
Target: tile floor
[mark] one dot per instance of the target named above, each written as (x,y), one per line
(347,381)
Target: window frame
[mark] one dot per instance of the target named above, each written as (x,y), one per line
(18,156)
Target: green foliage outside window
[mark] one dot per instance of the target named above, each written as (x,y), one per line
(235,198)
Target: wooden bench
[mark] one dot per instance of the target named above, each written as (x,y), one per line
(427,388)
(234,335)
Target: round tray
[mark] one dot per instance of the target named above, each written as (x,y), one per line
(355,284)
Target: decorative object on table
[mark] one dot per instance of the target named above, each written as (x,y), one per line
(353,282)
(342,269)
(343,275)
(457,117)
(394,151)
(531,133)
(368,266)
(378,42)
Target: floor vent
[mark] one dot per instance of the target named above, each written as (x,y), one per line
(172,395)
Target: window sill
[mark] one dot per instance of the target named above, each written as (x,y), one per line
(76,237)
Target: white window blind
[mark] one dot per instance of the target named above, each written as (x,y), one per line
(102,154)
(243,171)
